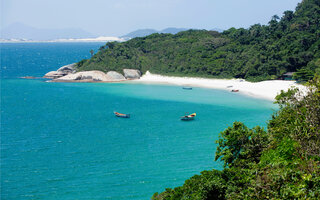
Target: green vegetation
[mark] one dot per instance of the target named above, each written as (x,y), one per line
(287,44)
(280,163)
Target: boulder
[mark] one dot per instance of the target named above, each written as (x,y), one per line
(115,75)
(62,71)
(86,76)
(67,69)
(54,74)
(131,73)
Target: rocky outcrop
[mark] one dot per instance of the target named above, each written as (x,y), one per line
(86,76)
(53,75)
(62,71)
(67,69)
(68,73)
(131,73)
(115,75)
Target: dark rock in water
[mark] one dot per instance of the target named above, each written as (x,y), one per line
(77,78)
(131,73)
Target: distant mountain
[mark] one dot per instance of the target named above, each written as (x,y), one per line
(173,30)
(22,31)
(217,29)
(139,33)
(146,32)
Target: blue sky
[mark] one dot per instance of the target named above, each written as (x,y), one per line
(118,17)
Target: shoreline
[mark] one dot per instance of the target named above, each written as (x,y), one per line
(267,90)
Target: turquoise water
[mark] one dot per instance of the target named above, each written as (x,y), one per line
(62,141)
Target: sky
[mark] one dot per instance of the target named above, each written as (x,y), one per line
(119,17)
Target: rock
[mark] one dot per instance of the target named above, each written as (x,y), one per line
(62,71)
(115,75)
(54,74)
(28,77)
(86,76)
(131,73)
(67,69)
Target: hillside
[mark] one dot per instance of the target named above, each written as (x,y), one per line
(287,44)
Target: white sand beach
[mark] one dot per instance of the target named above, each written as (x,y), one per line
(265,89)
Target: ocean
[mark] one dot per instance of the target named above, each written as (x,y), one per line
(62,140)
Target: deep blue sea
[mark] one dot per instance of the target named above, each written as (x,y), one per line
(62,141)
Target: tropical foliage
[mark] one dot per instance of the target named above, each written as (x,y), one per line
(287,44)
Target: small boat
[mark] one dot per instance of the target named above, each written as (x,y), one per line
(188,117)
(229,86)
(187,88)
(122,115)
(234,90)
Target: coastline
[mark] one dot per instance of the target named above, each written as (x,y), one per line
(267,90)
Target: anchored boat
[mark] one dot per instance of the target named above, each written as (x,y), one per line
(188,117)
(122,115)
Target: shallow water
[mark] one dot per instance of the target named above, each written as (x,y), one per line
(62,141)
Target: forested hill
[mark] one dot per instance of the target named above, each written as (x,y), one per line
(287,44)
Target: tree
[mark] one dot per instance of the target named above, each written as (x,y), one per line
(238,143)
(299,117)
(287,15)
(303,75)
